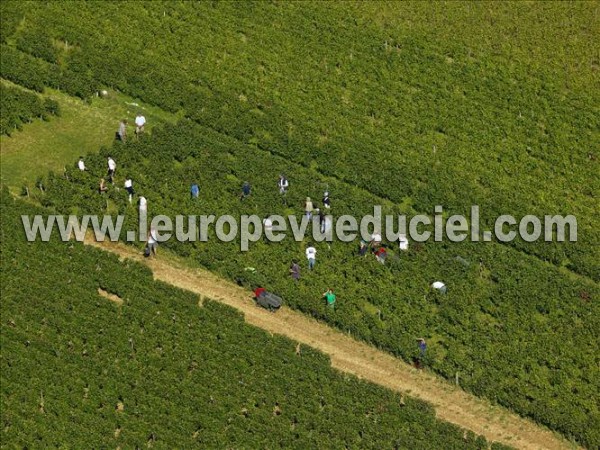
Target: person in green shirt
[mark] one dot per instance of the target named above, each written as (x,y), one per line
(330,298)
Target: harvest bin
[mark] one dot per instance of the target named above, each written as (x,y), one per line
(269,301)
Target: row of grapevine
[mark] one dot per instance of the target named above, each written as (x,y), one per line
(20,106)
(517,330)
(79,371)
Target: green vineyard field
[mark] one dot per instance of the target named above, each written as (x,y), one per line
(408,107)
(408,117)
(78,370)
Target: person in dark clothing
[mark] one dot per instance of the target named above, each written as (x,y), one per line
(322,220)
(364,247)
(326,201)
(246,189)
(295,270)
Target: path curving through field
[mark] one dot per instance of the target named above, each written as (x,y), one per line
(349,355)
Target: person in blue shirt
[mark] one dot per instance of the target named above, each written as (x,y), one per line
(245,190)
(195,191)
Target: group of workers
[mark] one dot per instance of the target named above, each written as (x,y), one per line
(375,244)
(140,123)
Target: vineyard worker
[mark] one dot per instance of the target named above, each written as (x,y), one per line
(326,201)
(129,188)
(329,298)
(246,189)
(308,207)
(153,241)
(283,184)
(322,220)
(403,242)
(259,291)
(195,190)
(122,133)
(376,239)
(267,227)
(295,270)
(140,121)
(112,167)
(380,255)
(439,286)
(81,164)
(364,247)
(422,347)
(311,255)
(102,187)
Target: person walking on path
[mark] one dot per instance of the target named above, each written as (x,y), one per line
(295,270)
(329,298)
(153,242)
(311,255)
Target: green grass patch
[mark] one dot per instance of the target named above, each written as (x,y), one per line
(82,128)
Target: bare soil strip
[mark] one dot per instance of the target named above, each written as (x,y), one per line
(451,403)
(112,297)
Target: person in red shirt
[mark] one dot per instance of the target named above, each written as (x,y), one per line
(380,254)
(259,291)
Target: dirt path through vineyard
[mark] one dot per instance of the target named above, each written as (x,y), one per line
(348,355)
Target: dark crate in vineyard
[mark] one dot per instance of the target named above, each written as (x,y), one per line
(269,301)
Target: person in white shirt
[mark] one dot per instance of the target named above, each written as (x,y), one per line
(403,242)
(283,184)
(311,255)
(140,121)
(153,241)
(129,188)
(439,286)
(81,164)
(268,227)
(112,167)
(376,239)
(326,200)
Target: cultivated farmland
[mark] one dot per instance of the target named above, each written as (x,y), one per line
(407,107)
